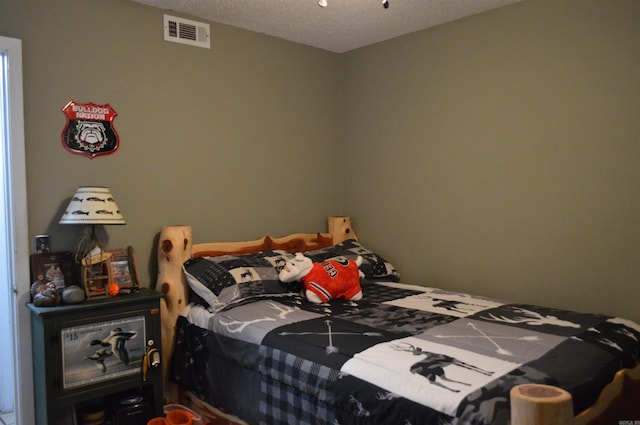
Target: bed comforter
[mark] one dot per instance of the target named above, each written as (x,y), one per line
(404,354)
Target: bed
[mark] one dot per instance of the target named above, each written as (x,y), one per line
(241,343)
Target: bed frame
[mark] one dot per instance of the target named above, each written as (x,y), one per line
(533,405)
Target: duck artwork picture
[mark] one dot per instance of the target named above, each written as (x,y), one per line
(103,350)
(116,340)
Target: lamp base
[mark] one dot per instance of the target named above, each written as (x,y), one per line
(88,247)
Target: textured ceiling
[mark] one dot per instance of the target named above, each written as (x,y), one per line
(341,26)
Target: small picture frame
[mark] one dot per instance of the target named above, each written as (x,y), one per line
(96,276)
(124,269)
(56,267)
(43,244)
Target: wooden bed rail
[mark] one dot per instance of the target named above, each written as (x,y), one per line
(176,246)
(619,402)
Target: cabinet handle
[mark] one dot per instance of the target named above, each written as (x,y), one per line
(151,359)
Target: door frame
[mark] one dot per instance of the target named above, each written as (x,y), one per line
(16,185)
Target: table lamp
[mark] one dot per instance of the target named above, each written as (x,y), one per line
(91,205)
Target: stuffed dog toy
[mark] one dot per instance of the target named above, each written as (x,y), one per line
(326,280)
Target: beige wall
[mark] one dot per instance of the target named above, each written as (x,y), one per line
(496,154)
(236,140)
(500,154)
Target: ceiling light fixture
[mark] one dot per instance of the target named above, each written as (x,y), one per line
(325,3)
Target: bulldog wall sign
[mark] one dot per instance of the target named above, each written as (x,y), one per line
(89,130)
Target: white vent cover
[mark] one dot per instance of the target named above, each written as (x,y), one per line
(185,31)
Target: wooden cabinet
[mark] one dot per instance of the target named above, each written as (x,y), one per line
(95,354)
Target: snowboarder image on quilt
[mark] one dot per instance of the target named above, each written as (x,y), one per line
(325,280)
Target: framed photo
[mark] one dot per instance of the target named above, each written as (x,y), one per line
(59,268)
(123,269)
(102,351)
(43,244)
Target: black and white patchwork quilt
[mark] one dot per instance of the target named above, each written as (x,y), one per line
(404,354)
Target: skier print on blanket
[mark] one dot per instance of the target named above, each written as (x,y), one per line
(432,366)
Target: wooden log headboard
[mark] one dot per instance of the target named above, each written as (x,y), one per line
(176,246)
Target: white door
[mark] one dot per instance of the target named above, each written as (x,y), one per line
(15,328)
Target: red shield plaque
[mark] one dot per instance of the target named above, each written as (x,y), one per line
(89,130)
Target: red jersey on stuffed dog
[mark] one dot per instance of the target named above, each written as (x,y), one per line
(331,279)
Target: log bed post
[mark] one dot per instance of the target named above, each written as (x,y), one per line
(174,248)
(340,229)
(537,404)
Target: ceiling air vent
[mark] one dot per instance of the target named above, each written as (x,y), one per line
(185,31)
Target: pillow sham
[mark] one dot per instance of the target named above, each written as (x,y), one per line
(373,266)
(216,281)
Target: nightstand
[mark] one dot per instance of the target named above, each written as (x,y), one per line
(96,353)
